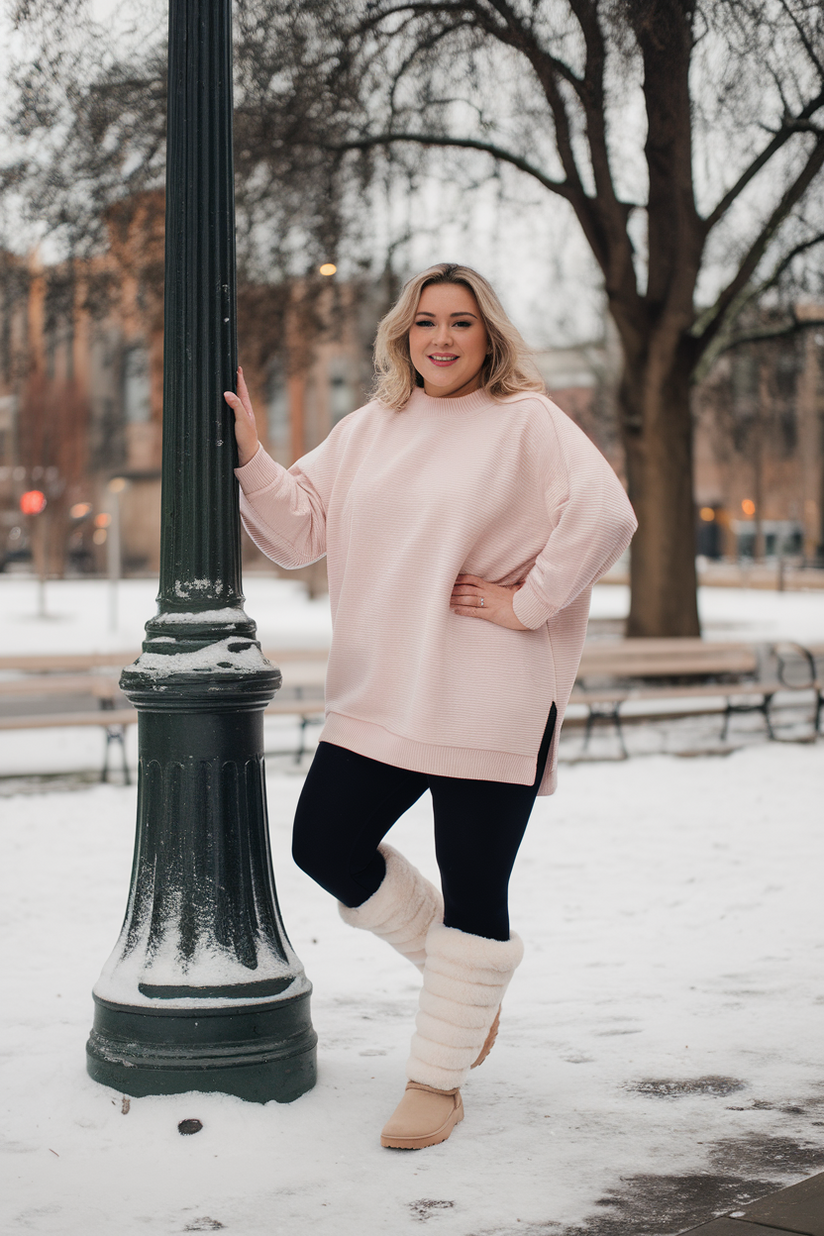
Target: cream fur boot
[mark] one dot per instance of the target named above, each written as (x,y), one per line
(402,910)
(464,981)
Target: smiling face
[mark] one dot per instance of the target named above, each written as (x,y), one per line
(448,342)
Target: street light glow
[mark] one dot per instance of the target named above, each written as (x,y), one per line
(707,514)
(328,268)
(748,506)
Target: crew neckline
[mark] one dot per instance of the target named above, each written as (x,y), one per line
(444,405)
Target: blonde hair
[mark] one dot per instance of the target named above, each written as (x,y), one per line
(507,369)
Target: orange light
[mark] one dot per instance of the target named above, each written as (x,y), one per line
(32,502)
(328,268)
(80,510)
(707,514)
(99,536)
(102,520)
(748,506)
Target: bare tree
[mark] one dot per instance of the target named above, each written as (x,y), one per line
(86,123)
(685,137)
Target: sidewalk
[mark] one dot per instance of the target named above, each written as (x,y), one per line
(799,1209)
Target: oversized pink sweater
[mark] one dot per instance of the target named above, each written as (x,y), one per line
(402,503)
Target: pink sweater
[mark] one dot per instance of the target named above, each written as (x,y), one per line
(402,503)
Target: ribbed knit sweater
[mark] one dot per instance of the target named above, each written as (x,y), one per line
(402,503)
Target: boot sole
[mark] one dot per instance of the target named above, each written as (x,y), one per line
(490,1040)
(426,1139)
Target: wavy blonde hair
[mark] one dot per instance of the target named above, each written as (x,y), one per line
(507,369)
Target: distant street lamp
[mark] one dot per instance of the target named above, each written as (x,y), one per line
(203,990)
(34,502)
(114,556)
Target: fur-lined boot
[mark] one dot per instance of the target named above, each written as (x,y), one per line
(402,909)
(464,981)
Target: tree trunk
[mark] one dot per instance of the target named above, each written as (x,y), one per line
(655,410)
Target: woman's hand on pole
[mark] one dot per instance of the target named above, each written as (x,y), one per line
(245,428)
(473,597)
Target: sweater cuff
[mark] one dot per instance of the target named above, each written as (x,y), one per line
(529,608)
(259,473)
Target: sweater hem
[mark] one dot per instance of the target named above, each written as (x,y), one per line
(469,764)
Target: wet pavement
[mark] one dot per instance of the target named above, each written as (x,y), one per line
(730,1197)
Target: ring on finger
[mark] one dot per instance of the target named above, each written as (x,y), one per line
(482,602)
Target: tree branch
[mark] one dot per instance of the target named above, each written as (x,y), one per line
(521,39)
(420,47)
(603,222)
(510,30)
(560,187)
(756,291)
(707,325)
(802,34)
(783,331)
(753,292)
(620,271)
(798,124)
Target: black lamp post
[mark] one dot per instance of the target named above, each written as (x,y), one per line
(203,990)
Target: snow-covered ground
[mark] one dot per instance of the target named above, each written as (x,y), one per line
(672,915)
(661,1053)
(79,613)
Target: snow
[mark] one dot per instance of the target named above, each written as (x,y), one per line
(671,912)
(78,614)
(224,616)
(221,657)
(737,613)
(666,1023)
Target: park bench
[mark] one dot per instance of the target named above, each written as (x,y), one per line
(614,673)
(92,680)
(28,679)
(798,670)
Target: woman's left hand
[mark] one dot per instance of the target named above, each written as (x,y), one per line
(473,597)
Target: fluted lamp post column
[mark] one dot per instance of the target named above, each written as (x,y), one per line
(203,990)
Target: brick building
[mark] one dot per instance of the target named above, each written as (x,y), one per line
(81,387)
(81,360)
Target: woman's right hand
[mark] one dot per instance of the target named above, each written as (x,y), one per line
(245,427)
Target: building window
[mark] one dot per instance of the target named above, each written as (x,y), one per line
(137,403)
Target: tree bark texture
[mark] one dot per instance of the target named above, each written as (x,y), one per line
(654,402)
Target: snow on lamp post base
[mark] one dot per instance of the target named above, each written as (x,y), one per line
(203,990)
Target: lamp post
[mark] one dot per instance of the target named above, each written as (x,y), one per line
(203,990)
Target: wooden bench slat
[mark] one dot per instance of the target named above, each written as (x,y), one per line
(61,684)
(62,720)
(620,660)
(60,662)
(708,690)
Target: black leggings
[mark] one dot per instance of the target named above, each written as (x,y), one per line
(349,803)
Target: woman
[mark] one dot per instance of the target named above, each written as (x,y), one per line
(465,519)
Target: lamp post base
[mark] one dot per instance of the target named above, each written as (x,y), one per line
(260,1052)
